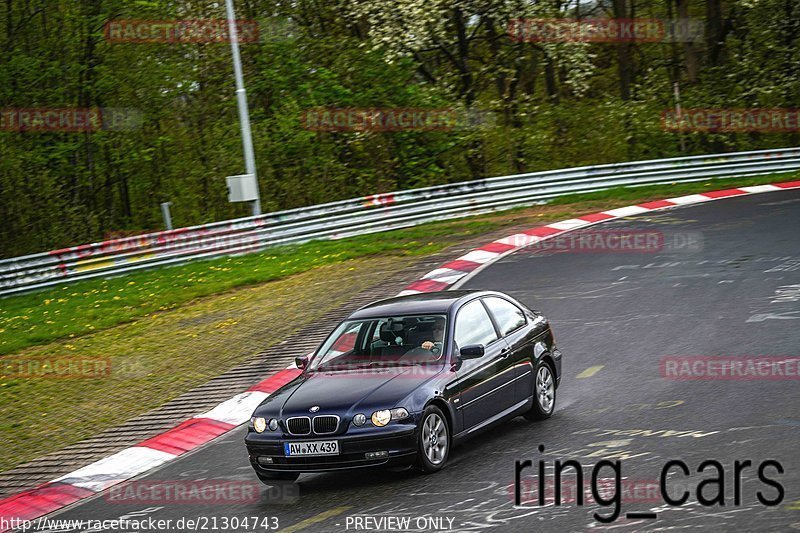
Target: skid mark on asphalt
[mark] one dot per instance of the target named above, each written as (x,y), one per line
(631,407)
(612,291)
(589,372)
(761,317)
(321,517)
(630,318)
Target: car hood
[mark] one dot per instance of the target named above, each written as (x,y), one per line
(341,392)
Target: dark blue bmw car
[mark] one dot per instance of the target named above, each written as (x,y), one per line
(401,381)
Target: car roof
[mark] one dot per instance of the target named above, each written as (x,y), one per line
(412,304)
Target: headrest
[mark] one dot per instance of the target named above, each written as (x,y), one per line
(390,331)
(424,327)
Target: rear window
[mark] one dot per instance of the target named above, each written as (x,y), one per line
(509,317)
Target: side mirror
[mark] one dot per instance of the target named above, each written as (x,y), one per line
(301,362)
(471,351)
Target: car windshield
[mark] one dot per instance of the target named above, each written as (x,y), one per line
(384,341)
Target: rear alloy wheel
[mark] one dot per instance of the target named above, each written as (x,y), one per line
(544,394)
(434,440)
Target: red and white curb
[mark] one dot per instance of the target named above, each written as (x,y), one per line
(146,455)
(195,432)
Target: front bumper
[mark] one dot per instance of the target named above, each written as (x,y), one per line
(399,442)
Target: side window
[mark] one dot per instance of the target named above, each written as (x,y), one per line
(509,317)
(376,333)
(473,325)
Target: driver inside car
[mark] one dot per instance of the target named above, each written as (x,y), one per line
(438,335)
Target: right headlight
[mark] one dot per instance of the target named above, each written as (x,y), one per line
(260,424)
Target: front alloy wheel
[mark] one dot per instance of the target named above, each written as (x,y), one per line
(544,393)
(434,440)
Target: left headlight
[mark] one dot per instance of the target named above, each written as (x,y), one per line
(260,424)
(381,418)
(384,416)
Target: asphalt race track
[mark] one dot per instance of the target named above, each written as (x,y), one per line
(726,283)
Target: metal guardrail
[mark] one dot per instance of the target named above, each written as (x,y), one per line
(369,214)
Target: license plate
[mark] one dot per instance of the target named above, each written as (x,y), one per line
(319,447)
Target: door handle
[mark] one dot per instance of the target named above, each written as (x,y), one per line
(504,352)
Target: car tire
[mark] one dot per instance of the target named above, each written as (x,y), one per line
(433,441)
(544,393)
(271,477)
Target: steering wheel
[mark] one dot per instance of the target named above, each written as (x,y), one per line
(435,349)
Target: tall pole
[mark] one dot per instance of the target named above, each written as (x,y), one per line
(241,97)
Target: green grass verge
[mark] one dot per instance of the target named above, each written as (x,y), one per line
(85,307)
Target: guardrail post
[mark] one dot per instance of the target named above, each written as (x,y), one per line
(165,213)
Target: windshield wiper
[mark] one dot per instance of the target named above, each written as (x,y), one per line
(343,366)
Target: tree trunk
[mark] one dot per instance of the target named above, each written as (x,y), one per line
(625,66)
(550,79)
(462,59)
(715,35)
(689,53)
